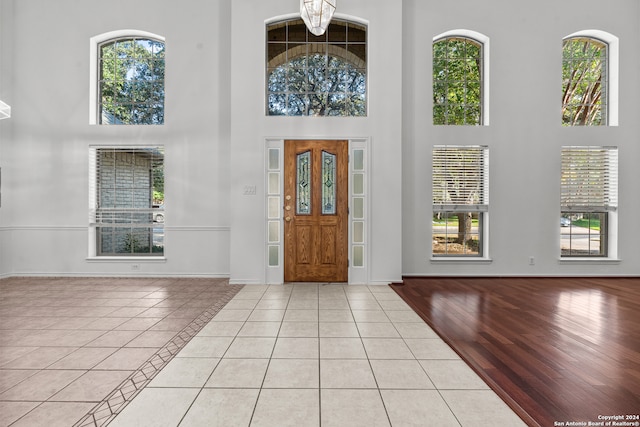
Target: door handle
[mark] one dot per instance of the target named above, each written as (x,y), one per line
(287,218)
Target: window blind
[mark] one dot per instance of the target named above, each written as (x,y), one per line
(589,179)
(461,178)
(121,186)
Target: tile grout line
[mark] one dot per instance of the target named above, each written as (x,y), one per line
(104,412)
(218,363)
(255,406)
(373,373)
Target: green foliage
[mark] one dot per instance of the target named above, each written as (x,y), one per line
(317,85)
(583,65)
(457,82)
(132,245)
(158,197)
(451,220)
(593,223)
(132,81)
(316,75)
(158,182)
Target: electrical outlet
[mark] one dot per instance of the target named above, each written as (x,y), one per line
(532,260)
(135,267)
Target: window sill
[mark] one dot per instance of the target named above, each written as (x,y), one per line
(589,261)
(461,260)
(125,259)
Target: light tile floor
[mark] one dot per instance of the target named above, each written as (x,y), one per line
(315,355)
(67,343)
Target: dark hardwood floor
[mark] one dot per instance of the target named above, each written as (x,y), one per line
(557,350)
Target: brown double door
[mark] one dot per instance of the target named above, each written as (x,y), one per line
(315,211)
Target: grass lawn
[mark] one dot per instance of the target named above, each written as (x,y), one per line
(451,221)
(593,224)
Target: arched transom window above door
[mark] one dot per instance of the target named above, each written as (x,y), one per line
(308,75)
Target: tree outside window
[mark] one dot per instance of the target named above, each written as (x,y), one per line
(460,191)
(584,82)
(131,81)
(311,75)
(457,81)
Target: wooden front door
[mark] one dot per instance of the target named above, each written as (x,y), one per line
(316,211)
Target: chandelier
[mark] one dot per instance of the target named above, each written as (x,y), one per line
(5,111)
(317,14)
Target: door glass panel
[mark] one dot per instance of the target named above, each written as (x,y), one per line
(358,183)
(358,160)
(358,208)
(303,183)
(274,207)
(274,231)
(273,256)
(358,232)
(274,183)
(328,183)
(274,159)
(358,256)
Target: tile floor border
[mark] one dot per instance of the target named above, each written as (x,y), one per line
(104,412)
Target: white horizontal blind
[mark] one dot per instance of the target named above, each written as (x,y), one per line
(589,179)
(121,186)
(461,178)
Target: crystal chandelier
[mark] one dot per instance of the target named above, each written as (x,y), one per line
(317,14)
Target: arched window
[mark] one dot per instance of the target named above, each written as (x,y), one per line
(308,75)
(129,78)
(587,77)
(459,77)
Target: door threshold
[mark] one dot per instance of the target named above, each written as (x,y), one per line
(315,283)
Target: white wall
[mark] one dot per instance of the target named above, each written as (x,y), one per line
(525,134)
(45,161)
(250,127)
(6,128)
(216,129)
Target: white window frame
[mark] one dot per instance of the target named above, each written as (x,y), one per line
(94,58)
(485,42)
(93,207)
(481,207)
(574,198)
(613,66)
